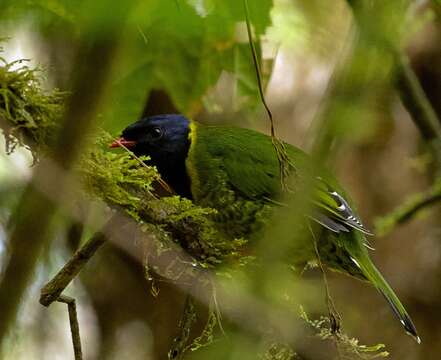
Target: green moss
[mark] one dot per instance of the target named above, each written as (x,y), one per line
(194,228)
(30,114)
(349,348)
(278,351)
(183,342)
(117,178)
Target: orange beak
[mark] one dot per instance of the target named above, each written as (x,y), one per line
(121,142)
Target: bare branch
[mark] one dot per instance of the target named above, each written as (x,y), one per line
(74,325)
(53,289)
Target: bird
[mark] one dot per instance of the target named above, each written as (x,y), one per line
(237,172)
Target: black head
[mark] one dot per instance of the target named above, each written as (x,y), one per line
(165,139)
(158,135)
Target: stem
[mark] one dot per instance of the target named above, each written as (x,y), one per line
(53,289)
(415,100)
(257,67)
(419,107)
(285,164)
(409,209)
(74,325)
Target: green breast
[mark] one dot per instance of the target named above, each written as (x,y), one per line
(216,182)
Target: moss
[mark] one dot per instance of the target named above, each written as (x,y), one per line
(348,348)
(279,351)
(183,342)
(116,178)
(194,228)
(29,114)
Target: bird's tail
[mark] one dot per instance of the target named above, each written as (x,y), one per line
(375,277)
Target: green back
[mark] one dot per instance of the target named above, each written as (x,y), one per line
(246,156)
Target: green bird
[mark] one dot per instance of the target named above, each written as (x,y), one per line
(236,171)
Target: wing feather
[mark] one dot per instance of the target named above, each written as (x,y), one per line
(251,164)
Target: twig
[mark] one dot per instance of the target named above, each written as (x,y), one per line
(257,67)
(285,163)
(161,181)
(419,107)
(53,289)
(413,205)
(415,100)
(334,316)
(74,325)
(188,319)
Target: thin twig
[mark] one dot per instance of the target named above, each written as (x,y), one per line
(257,67)
(53,289)
(334,316)
(416,101)
(410,207)
(419,107)
(188,319)
(74,325)
(285,164)
(160,180)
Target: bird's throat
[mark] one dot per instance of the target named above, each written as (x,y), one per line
(175,174)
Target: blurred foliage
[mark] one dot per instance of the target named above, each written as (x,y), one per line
(198,40)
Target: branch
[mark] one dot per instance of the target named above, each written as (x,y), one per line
(74,326)
(413,205)
(53,289)
(415,100)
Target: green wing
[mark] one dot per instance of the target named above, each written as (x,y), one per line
(250,162)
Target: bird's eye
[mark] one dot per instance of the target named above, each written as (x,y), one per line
(156,133)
